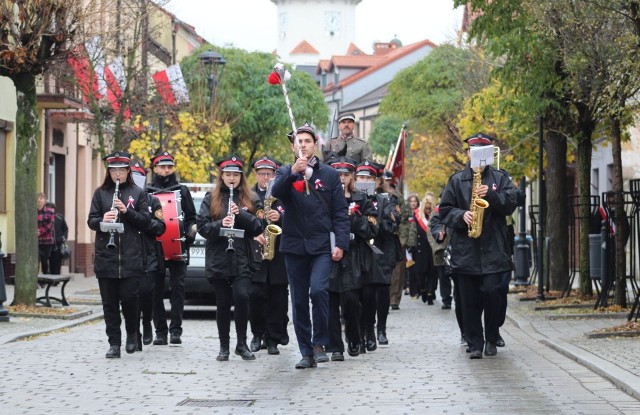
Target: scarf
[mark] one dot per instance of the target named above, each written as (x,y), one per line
(421,219)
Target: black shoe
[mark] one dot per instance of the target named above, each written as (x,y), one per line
(395,307)
(424,296)
(272,349)
(475,354)
(254,346)
(430,298)
(446,306)
(161,340)
(223,354)
(371,341)
(284,340)
(147,334)
(243,351)
(337,357)
(113,352)
(382,337)
(353,349)
(319,355)
(139,348)
(363,348)
(175,339)
(500,341)
(132,343)
(490,349)
(264,345)
(306,362)
(406,292)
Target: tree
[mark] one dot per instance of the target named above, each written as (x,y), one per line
(254,109)
(33,36)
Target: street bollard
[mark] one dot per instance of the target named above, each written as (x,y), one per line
(523,250)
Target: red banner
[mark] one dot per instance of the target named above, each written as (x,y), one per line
(397,166)
(87,80)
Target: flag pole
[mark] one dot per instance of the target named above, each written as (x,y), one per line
(395,151)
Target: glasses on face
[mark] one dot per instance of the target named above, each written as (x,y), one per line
(118,169)
(267,174)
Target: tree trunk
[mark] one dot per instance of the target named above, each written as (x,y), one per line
(619,219)
(584,193)
(26,217)
(556,210)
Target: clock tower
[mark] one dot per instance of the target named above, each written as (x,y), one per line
(310,30)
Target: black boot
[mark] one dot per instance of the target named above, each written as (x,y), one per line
(223,355)
(371,341)
(382,336)
(256,343)
(243,351)
(132,343)
(139,347)
(113,352)
(147,333)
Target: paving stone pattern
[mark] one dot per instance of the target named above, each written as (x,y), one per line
(423,370)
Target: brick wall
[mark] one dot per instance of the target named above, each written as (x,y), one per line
(84,259)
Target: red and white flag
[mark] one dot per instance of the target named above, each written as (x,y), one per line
(114,76)
(171,86)
(86,78)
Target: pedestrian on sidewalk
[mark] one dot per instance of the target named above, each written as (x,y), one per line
(479,263)
(423,254)
(315,208)
(46,240)
(61,233)
(118,260)
(229,263)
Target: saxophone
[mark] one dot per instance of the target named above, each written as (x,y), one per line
(271,231)
(477,206)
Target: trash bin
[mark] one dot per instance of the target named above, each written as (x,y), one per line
(595,251)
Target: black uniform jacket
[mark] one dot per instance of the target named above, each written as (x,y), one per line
(422,254)
(219,264)
(169,183)
(274,272)
(309,218)
(489,253)
(385,240)
(360,258)
(127,259)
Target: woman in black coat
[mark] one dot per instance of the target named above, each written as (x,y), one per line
(119,255)
(426,277)
(345,284)
(229,264)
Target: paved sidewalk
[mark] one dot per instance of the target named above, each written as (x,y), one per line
(423,370)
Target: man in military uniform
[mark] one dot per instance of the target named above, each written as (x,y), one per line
(164,181)
(269,297)
(347,144)
(402,213)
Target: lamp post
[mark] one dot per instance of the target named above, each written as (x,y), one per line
(213,60)
(522,245)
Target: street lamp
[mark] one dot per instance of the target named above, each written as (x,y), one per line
(212,60)
(522,244)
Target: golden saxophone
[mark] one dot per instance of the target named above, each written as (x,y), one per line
(271,231)
(477,206)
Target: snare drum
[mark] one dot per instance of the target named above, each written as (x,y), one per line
(173,242)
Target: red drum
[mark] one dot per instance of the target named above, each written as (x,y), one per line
(173,242)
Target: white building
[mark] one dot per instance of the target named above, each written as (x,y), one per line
(310,30)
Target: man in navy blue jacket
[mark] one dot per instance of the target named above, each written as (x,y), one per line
(315,233)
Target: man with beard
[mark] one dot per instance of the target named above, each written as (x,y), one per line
(347,144)
(165,181)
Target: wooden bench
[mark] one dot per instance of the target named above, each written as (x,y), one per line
(48,281)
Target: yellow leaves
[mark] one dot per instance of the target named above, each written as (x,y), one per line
(192,139)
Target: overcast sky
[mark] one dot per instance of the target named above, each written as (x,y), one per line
(252,24)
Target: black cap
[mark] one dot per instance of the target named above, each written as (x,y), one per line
(479,139)
(305,128)
(138,167)
(366,168)
(343,164)
(350,116)
(118,159)
(231,163)
(163,158)
(265,162)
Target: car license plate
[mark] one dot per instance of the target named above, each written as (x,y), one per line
(196,252)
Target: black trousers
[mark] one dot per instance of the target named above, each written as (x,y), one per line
(375,300)
(177,271)
(44,252)
(414,288)
(481,295)
(268,308)
(116,292)
(349,303)
(427,281)
(55,262)
(228,293)
(146,296)
(445,284)
(458,302)
(506,279)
